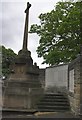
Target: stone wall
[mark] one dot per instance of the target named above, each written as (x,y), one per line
(0,99)
(74,87)
(42,77)
(81,83)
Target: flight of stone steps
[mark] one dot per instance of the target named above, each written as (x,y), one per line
(53,102)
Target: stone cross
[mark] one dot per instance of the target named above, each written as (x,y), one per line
(25,39)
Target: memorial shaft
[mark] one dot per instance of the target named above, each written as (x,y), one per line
(25,38)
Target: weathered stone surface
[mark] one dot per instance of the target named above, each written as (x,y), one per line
(23,88)
(57,76)
(81,82)
(74,97)
(42,77)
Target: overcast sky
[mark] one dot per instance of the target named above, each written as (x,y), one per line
(12,17)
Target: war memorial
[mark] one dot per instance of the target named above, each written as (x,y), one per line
(30,92)
(23,87)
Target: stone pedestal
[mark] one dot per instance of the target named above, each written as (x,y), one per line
(23,88)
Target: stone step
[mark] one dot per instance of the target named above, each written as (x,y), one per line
(54,103)
(54,106)
(53,100)
(55,97)
(52,110)
(54,94)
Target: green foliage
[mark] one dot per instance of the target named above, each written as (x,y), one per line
(59,32)
(8,57)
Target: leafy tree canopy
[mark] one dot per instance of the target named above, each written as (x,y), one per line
(8,57)
(59,32)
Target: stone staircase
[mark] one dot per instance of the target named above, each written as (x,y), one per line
(53,102)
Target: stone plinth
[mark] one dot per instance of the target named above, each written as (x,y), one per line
(23,88)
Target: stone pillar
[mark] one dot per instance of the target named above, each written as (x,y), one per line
(74,91)
(81,82)
(25,39)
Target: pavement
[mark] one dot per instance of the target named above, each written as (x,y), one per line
(55,115)
(43,116)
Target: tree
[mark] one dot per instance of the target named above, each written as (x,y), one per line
(59,32)
(8,57)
